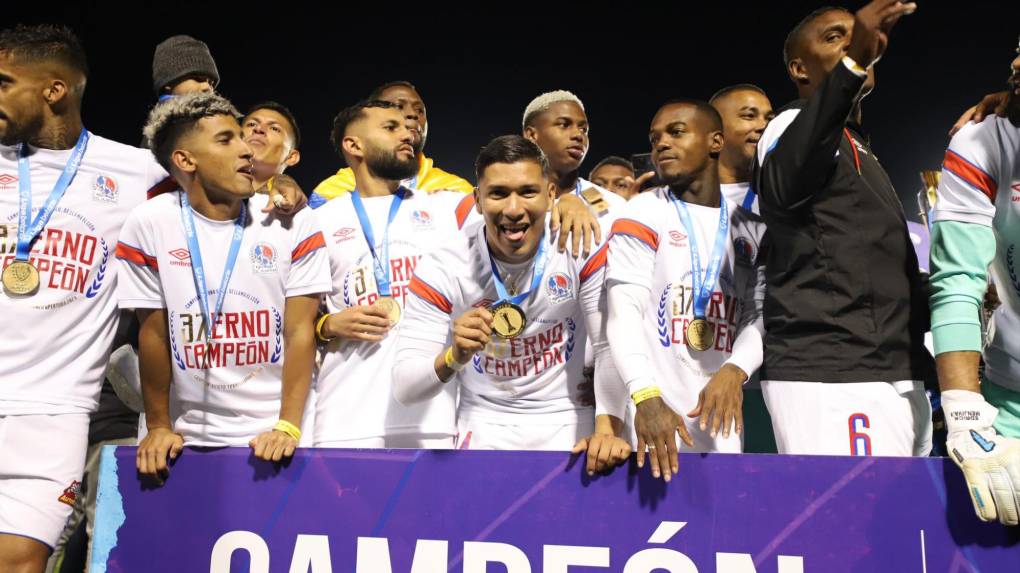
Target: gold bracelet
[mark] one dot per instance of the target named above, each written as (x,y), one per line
(451,361)
(645,393)
(289,429)
(318,328)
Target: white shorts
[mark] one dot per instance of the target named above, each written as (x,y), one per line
(485,435)
(850,419)
(416,441)
(42,458)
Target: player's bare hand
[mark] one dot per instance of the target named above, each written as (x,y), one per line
(657,427)
(364,323)
(720,403)
(158,446)
(990,104)
(285,195)
(637,184)
(273,446)
(872,25)
(603,451)
(576,222)
(471,332)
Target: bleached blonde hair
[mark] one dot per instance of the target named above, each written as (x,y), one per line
(173,117)
(543,102)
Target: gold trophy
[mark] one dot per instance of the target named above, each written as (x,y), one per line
(927,198)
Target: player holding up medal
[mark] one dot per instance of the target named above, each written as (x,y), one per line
(506,314)
(226,345)
(682,273)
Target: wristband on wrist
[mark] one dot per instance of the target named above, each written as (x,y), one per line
(318,328)
(289,429)
(645,393)
(451,361)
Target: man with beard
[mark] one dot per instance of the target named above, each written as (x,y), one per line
(976,231)
(375,236)
(427,177)
(59,290)
(745,111)
(683,325)
(513,309)
(845,306)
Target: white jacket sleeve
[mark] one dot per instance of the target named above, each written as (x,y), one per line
(629,347)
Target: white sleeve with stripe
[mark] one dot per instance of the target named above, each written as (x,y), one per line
(138,284)
(309,266)
(967,189)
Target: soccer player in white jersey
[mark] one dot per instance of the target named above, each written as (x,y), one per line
(745,111)
(503,314)
(226,294)
(684,325)
(50,374)
(976,231)
(375,237)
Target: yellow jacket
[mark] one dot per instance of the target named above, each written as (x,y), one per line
(429,179)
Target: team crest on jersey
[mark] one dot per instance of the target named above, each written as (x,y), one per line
(105,189)
(7,181)
(263,258)
(70,494)
(421,219)
(344,234)
(677,239)
(559,287)
(744,250)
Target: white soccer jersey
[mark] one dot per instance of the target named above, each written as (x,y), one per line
(58,340)
(742,195)
(355,379)
(980,184)
(531,379)
(229,390)
(650,247)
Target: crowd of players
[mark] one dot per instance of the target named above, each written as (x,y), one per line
(404,307)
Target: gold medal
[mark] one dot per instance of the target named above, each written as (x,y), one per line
(390,306)
(508,320)
(594,198)
(21,278)
(699,334)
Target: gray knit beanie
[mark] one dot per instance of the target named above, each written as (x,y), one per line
(180,56)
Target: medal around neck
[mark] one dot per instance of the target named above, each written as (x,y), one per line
(390,306)
(21,278)
(508,320)
(700,335)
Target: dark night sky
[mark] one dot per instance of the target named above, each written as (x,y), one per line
(476,76)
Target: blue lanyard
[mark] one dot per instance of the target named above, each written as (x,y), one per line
(577,187)
(27,232)
(380,265)
(749,199)
(704,285)
(538,271)
(198,268)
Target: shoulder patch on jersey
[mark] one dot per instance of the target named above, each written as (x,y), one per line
(744,250)
(70,495)
(105,189)
(559,288)
(263,257)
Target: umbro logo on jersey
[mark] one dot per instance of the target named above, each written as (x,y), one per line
(7,181)
(104,189)
(180,254)
(1015,187)
(484,303)
(677,239)
(344,234)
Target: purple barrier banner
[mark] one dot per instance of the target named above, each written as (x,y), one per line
(401,511)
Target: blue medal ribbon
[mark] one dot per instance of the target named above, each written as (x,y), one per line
(27,232)
(198,268)
(704,284)
(380,265)
(537,272)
